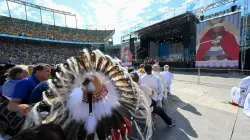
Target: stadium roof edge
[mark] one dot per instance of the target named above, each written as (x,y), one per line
(57,25)
(41,7)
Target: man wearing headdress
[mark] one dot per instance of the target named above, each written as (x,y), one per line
(217,43)
(88,98)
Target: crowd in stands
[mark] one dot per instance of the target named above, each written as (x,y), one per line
(36,53)
(38,30)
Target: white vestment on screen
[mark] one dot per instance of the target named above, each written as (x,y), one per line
(168,76)
(154,83)
(240,92)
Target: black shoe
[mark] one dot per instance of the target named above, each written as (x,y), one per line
(173,123)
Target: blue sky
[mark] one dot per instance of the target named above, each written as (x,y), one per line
(101,14)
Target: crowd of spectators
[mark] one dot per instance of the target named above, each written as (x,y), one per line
(36,53)
(38,30)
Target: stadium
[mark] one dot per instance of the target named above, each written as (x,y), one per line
(169,78)
(27,42)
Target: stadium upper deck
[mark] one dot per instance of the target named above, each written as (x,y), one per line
(19,27)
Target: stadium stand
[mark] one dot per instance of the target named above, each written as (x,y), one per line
(26,42)
(27,52)
(21,27)
(113,50)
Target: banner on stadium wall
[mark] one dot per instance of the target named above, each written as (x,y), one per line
(49,40)
(126,55)
(218,41)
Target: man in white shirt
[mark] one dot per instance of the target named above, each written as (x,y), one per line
(150,93)
(152,82)
(168,76)
(156,72)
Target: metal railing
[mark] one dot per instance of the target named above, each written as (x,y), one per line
(210,76)
(213,76)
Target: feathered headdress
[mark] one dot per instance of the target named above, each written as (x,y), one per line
(89,95)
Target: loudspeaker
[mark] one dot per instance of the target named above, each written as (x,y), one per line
(233,8)
(202,17)
(186,34)
(144,47)
(132,46)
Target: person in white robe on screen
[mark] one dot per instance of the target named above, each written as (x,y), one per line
(168,76)
(240,92)
(152,82)
(156,72)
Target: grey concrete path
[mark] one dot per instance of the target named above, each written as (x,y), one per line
(202,111)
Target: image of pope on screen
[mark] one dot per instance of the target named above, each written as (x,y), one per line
(218,40)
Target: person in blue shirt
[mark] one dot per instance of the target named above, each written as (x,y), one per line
(23,89)
(37,94)
(16,74)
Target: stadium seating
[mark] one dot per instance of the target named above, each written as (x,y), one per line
(37,30)
(27,53)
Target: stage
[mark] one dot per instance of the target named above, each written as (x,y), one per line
(172,40)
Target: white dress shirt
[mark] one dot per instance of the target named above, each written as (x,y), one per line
(148,92)
(154,83)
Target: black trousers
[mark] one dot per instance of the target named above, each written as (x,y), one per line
(159,111)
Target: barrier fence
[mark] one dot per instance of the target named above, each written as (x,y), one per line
(209,76)
(213,77)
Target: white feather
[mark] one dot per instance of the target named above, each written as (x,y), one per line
(90,124)
(79,110)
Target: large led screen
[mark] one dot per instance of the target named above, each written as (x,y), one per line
(218,41)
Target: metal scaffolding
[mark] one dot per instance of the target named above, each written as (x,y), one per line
(244,34)
(198,12)
(41,8)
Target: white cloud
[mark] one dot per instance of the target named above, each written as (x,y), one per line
(120,13)
(71,22)
(16,10)
(162,1)
(201,3)
(163,9)
(187,1)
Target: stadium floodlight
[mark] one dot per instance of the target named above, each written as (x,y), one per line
(42,8)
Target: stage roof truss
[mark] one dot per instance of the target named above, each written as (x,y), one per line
(244,34)
(200,11)
(169,27)
(197,12)
(41,7)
